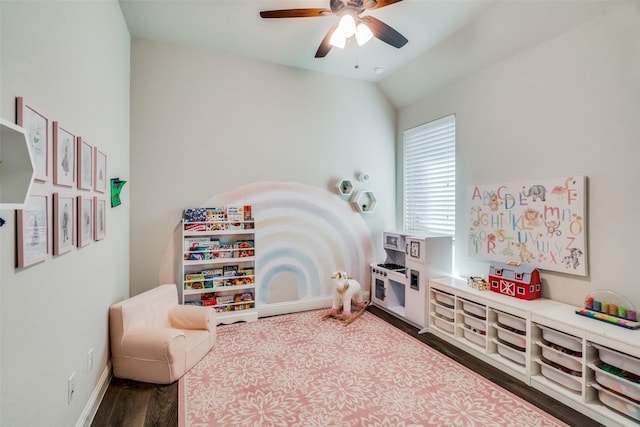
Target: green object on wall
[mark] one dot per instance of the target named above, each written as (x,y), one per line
(116,187)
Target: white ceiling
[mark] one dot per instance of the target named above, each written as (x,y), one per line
(477,31)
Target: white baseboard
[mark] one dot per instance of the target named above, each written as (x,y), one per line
(91,408)
(265,310)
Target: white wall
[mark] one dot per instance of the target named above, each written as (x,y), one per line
(71,59)
(205,124)
(566,107)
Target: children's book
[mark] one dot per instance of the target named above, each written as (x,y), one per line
(244,248)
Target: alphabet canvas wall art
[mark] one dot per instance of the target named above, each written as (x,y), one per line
(540,223)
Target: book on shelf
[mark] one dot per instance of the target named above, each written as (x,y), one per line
(235,215)
(216,226)
(194,281)
(192,243)
(223,250)
(198,226)
(195,215)
(244,248)
(229,270)
(210,276)
(248,218)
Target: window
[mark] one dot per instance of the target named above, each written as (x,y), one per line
(429,177)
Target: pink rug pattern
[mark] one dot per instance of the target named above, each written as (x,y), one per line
(297,370)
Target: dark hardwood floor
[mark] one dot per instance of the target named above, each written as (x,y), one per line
(134,404)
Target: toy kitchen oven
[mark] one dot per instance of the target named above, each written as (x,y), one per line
(399,285)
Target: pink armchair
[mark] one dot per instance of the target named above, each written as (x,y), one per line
(156,340)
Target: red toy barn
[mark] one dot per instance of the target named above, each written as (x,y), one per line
(515,280)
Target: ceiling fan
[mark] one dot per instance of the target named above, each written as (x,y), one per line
(350,24)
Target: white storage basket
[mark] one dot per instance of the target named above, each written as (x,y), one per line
(568,381)
(474,323)
(475,309)
(568,361)
(564,340)
(443,324)
(512,321)
(445,312)
(475,337)
(511,337)
(511,353)
(616,383)
(444,298)
(618,403)
(619,360)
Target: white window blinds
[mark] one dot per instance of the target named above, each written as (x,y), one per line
(430,177)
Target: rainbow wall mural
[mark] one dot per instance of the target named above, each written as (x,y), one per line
(303,235)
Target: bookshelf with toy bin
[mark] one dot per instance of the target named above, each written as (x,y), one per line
(218,262)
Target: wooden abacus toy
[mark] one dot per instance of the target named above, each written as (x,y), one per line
(610,307)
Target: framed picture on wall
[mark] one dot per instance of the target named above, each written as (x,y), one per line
(64,214)
(85,220)
(32,228)
(36,126)
(85,165)
(64,156)
(99,218)
(100,172)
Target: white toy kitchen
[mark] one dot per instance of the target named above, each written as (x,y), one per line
(399,284)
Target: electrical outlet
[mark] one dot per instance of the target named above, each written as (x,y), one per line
(90,361)
(71,387)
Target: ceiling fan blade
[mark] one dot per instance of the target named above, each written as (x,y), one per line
(325,46)
(295,13)
(384,32)
(379,3)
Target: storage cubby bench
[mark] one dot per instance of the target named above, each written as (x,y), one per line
(591,366)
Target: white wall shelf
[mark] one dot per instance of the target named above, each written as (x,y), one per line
(16,166)
(345,187)
(365,201)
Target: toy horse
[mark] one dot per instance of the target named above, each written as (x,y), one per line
(347,291)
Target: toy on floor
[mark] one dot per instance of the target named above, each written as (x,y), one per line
(347,292)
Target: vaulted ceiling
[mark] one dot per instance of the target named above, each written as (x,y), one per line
(448,39)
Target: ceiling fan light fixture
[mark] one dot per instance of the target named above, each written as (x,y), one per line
(363,34)
(347,25)
(338,39)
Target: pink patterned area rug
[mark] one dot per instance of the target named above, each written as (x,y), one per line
(298,370)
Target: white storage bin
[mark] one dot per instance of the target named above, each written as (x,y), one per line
(511,321)
(511,337)
(566,380)
(475,309)
(445,312)
(618,403)
(444,298)
(616,383)
(443,324)
(511,353)
(570,362)
(474,323)
(564,340)
(619,360)
(475,337)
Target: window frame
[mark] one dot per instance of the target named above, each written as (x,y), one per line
(435,139)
